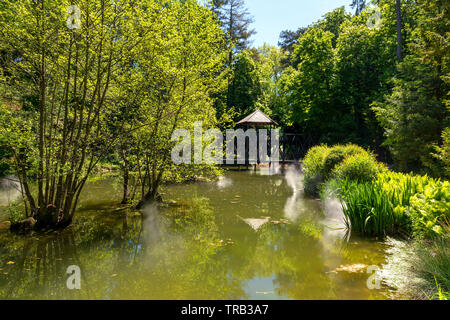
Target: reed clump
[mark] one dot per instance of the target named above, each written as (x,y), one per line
(395,204)
(375,200)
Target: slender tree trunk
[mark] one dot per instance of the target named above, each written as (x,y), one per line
(126,177)
(399,29)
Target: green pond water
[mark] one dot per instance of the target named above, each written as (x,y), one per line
(246,236)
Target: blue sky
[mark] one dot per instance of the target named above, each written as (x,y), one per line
(273,16)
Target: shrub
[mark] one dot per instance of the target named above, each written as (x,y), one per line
(430,210)
(360,167)
(320,161)
(313,168)
(375,200)
(337,155)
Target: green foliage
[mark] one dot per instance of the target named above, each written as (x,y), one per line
(245,85)
(15,212)
(337,155)
(322,163)
(311,95)
(313,168)
(186,173)
(430,210)
(425,200)
(442,153)
(113,90)
(368,210)
(397,203)
(433,265)
(332,22)
(376,201)
(360,167)
(414,115)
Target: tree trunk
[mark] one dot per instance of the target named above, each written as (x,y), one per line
(399,29)
(126,179)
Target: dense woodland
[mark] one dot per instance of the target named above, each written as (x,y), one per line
(114,90)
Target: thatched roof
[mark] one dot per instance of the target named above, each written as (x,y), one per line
(257,118)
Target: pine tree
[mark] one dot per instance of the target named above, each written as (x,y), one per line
(235,21)
(360,5)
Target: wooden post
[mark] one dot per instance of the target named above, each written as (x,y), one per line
(257,148)
(247,162)
(269,146)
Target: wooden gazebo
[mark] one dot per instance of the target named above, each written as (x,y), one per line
(256,119)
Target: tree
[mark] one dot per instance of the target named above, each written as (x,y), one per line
(269,67)
(415,114)
(171,89)
(289,38)
(399,28)
(310,96)
(365,63)
(67,72)
(332,22)
(235,20)
(130,74)
(358,5)
(245,84)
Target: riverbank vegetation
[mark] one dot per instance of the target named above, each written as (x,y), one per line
(377,202)
(114,87)
(106,86)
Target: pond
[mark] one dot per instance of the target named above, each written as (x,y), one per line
(249,235)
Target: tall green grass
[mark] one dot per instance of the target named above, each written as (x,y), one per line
(433,265)
(369,210)
(397,203)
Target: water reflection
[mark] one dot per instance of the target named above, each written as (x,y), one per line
(224,182)
(293,207)
(10,190)
(196,248)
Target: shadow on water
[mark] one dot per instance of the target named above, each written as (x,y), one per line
(201,246)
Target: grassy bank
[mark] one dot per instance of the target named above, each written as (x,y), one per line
(379,202)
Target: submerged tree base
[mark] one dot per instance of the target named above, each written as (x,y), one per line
(150,200)
(23,227)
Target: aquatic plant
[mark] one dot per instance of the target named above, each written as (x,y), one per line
(397,203)
(369,210)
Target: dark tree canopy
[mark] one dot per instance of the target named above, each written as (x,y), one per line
(288,38)
(235,20)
